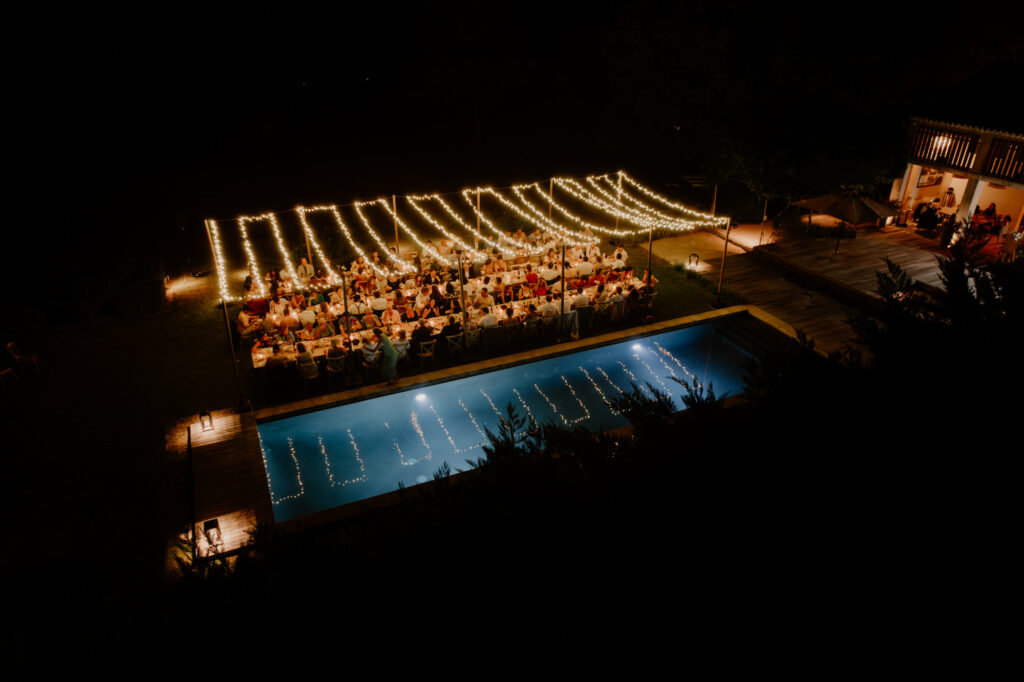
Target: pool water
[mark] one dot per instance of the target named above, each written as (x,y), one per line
(335,456)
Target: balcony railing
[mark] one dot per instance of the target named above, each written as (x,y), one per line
(1005,160)
(945,148)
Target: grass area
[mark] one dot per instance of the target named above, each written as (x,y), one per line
(680,292)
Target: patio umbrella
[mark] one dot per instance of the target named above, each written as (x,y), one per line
(848,208)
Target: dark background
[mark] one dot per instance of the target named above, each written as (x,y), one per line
(127,127)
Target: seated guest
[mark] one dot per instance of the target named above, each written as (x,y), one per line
(390,316)
(336,350)
(499,266)
(306,333)
(278,306)
(277,359)
(378,303)
(483,299)
(594,251)
(600,296)
(304,357)
(488,319)
(620,254)
(401,344)
(549,307)
(498,290)
(319,279)
(356,306)
(420,334)
(451,307)
(453,327)
(326,311)
(298,301)
(307,318)
(337,296)
(571,273)
(245,324)
(523,292)
(585,268)
(285,335)
(371,350)
(436,295)
(430,310)
(324,328)
(510,317)
(542,289)
(531,276)
(549,274)
(291,318)
(314,299)
(422,298)
(409,312)
(581,300)
(618,264)
(370,321)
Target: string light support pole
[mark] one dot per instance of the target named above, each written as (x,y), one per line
(725,252)
(394,211)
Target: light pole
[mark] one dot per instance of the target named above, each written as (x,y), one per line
(344,302)
(462,291)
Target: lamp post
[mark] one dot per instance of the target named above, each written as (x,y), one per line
(462,291)
(344,302)
(561,305)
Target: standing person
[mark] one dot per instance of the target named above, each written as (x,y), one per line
(389,357)
(304,273)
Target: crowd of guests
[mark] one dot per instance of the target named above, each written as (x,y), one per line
(355,317)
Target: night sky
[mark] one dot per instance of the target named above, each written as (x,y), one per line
(138,123)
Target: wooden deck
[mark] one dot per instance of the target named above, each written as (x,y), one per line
(230,480)
(858,260)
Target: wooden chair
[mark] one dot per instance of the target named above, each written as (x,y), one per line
(426,351)
(337,367)
(455,345)
(309,371)
(471,341)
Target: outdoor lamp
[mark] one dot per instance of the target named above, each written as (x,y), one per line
(205,420)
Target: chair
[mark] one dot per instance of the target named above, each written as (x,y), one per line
(494,340)
(426,351)
(514,336)
(336,367)
(472,341)
(548,327)
(309,370)
(586,314)
(618,312)
(531,330)
(455,345)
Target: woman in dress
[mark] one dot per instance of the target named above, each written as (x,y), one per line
(389,357)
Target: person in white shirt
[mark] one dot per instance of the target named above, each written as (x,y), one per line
(337,296)
(586,268)
(422,298)
(549,273)
(549,307)
(620,253)
(483,299)
(581,300)
(304,272)
(378,303)
(356,306)
(307,318)
(488,319)
(618,264)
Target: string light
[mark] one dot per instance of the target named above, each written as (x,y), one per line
(643,213)
(302,211)
(609,380)
(468,250)
(612,207)
(455,449)
(529,412)
(540,220)
(517,245)
(401,456)
(327,463)
(419,430)
(402,267)
(430,250)
(649,369)
(473,419)
(599,391)
(682,367)
(634,379)
(276,229)
(518,190)
(257,278)
(298,474)
(667,202)
(219,261)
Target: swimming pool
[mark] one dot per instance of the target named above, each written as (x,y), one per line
(335,456)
